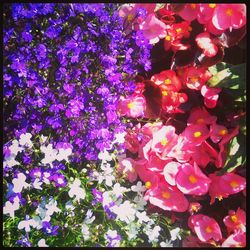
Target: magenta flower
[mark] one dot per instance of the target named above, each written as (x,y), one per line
(211,96)
(229,16)
(225,185)
(217,132)
(168,198)
(133,106)
(189,12)
(206,12)
(238,239)
(235,221)
(155,163)
(191,180)
(206,228)
(153,29)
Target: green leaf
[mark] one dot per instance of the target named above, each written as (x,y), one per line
(219,67)
(232,78)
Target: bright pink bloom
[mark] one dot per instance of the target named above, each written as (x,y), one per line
(150,128)
(133,106)
(211,96)
(163,140)
(155,163)
(191,180)
(126,167)
(131,140)
(238,239)
(170,171)
(194,207)
(206,12)
(168,198)
(225,185)
(235,221)
(200,116)
(217,132)
(206,228)
(189,12)
(153,29)
(195,134)
(204,41)
(229,16)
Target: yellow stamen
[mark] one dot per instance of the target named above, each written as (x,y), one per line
(190,28)
(220,198)
(130,17)
(200,120)
(194,79)
(148,184)
(223,132)
(234,184)
(208,229)
(192,179)
(167,81)
(164,142)
(166,195)
(178,30)
(234,218)
(229,12)
(212,5)
(193,5)
(131,105)
(164,93)
(194,208)
(197,134)
(168,38)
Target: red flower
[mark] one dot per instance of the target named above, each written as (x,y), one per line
(235,221)
(191,180)
(205,227)
(210,96)
(200,116)
(217,132)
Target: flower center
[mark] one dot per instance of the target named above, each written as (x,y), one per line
(164,93)
(212,5)
(166,195)
(234,218)
(194,79)
(192,179)
(190,28)
(220,197)
(234,184)
(148,184)
(131,105)
(168,38)
(167,81)
(178,30)
(200,121)
(208,229)
(229,12)
(130,17)
(164,142)
(223,132)
(193,5)
(197,134)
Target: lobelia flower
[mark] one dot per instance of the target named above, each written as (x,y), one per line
(113,238)
(42,243)
(19,183)
(235,221)
(237,239)
(49,229)
(168,197)
(76,190)
(11,207)
(133,106)
(225,185)
(126,167)
(191,180)
(26,224)
(153,29)
(205,227)
(231,16)
(25,140)
(211,96)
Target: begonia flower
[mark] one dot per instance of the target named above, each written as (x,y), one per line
(191,180)
(200,116)
(126,166)
(206,12)
(170,171)
(211,96)
(217,132)
(205,227)
(189,12)
(237,239)
(204,41)
(155,163)
(194,207)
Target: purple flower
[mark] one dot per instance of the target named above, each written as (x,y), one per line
(24,242)
(97,196)
(59,180)
(49,229)
(36,173)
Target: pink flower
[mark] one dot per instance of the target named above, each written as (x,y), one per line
(205,227)
(235,221)
(189,12)
(238,239)
(206,12)
(200,116)
(153,28)
(229,16)
(170,171)
(210,96)
(168,198)
(225,185)
(217,132)
(155,163)
(131,141)
(204,41)
(126,167)
(191,180)
(133,106)
(195,134)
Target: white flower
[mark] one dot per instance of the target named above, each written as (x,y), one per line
(42,243)
(118,190)
(89,218)
(105,156)
(14,148)
(37,184)
(113,238)
(63,154)
(19,183)
(139,188)
(11,162)
(175,234)
(153,234)
(142,216)
(38,222)
(50,154)
(166,244)
(132,231)
(52,208)
(125,211)
(85,232)
(119,138)
(25,140)
(26,224)
(10,208)
(140,203)
(76,190)
(69,206)
(43,139)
